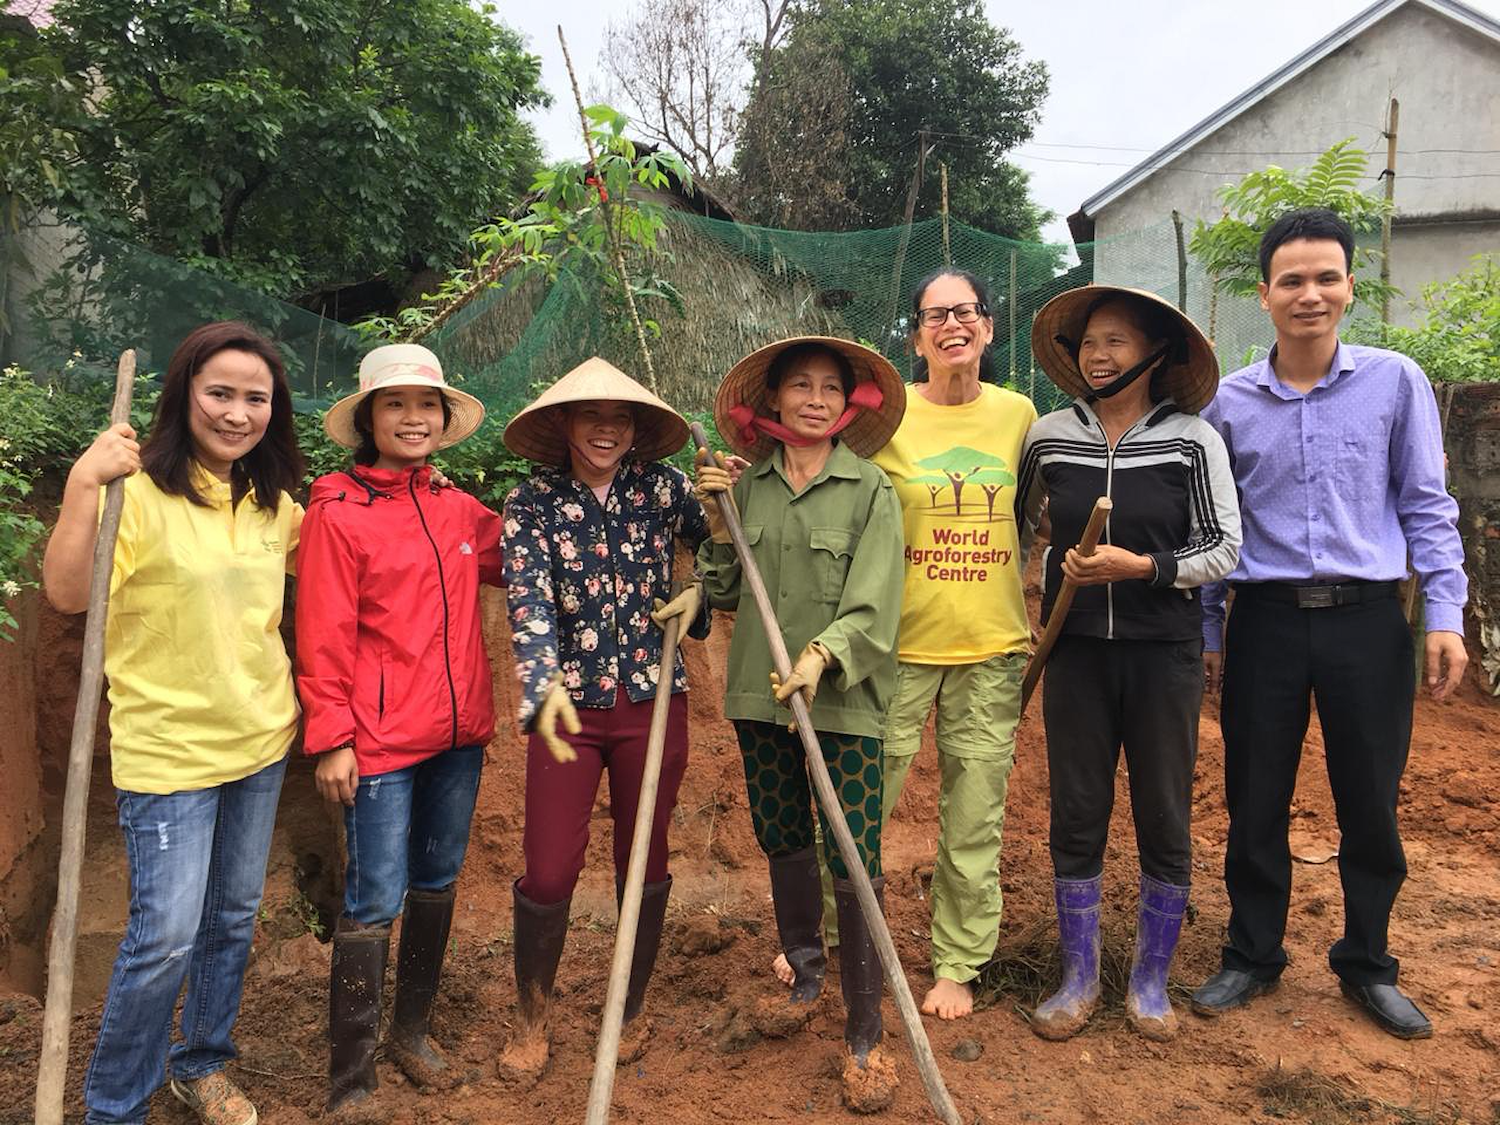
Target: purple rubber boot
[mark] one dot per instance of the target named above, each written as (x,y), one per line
(1063,1014)
(1158,925)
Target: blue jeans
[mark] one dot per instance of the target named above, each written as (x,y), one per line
(409,827)
(197,868)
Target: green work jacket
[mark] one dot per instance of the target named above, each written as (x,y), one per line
(831,558)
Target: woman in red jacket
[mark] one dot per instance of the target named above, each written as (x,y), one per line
(395,683)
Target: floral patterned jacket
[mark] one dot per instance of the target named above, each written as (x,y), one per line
(581,580)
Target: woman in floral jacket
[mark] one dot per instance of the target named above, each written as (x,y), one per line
(589,543)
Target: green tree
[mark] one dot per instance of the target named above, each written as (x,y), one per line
(877,73)
(991,482)
(1230,248)
(1459,338)
(295,146)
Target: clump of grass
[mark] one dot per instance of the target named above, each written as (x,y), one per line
(1310,1096)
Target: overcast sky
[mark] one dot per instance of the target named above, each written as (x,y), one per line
(1127,75)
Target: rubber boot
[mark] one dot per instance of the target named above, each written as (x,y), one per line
(540,932)
(1158,925)
(869,1078)
(356,976)
(635,1032)
(1063,1014)
(419,965)
(797,898)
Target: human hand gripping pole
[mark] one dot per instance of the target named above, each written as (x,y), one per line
(602,1085)
(1064,602)
(911,1022)
(52,1069)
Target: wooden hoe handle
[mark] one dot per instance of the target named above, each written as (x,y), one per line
(1064,602)
(52,1070)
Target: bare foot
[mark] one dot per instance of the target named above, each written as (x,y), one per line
(783,970)
(948,1000)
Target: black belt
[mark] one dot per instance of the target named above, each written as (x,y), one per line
(1321,596)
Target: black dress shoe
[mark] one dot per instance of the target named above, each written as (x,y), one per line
(1229,988)
(1390,1008)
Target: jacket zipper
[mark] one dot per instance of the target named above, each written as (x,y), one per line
(1109,487)
(442,589)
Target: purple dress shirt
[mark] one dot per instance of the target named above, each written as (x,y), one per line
(1339,483)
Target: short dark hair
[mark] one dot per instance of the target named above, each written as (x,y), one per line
(784,360)
(364,425)
(1306,222)
(272,467)
(981,293)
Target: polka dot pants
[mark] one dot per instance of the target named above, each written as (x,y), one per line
(781,797)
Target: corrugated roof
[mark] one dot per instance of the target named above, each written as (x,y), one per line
(1460,13)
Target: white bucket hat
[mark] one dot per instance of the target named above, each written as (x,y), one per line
(403,365)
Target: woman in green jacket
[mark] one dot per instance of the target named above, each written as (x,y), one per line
(825,528)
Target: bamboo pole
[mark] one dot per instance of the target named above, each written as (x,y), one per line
(947,248)
(1389,175)
(608,1050)
(1064,602)
(932,1079)
(610,228)
(52,1069)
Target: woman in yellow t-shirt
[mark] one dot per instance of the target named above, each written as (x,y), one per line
(963,637)
(202,705)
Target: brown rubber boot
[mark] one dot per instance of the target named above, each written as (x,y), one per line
(539,935)
(356,976)
(419,965)
(869,1077)
(635,1033)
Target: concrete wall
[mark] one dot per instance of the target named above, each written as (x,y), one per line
(1447,79)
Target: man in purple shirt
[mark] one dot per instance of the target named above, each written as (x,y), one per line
(1338,458)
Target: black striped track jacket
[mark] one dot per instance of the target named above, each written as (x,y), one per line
(1174,500)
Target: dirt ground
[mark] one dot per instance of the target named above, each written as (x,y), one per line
(1302,1053)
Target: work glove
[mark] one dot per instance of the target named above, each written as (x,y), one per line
(811,664)
(710,479)
(557,704)
(684,605)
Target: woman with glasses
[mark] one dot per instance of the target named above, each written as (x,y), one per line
(963,636)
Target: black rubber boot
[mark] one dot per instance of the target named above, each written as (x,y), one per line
(869,1078)
(419,966)
(356,976)
(635,1031)
(797,897)
(540,932)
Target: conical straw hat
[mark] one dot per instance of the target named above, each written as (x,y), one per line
(536,433)
(1190,373)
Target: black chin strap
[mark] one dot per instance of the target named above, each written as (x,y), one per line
(1124,380)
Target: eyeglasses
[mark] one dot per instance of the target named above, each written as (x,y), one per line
(966,313)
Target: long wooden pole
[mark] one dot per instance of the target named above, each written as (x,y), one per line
(610,227)
(57,1017)
(1064,602)
(1389,175)
(608,1050)
(932,1079)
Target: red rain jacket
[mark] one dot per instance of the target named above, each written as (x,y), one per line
(389,649)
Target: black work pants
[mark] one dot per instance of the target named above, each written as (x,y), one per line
(1098,695)
(1356,660)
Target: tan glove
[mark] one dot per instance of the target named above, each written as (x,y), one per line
(684,605)
(710,479)
(811,664)
(558,704)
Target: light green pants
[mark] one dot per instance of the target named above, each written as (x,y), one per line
(978,706)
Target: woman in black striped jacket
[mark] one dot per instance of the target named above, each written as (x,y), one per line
(1127,668)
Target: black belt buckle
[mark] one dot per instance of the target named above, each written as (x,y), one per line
(1316,597)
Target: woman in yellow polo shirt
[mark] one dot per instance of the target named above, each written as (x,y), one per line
(202,709)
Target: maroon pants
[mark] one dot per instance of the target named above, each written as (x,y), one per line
(560,796)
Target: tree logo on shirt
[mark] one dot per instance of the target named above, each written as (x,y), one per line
(960,467)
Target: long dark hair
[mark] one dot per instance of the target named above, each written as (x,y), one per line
(274,466)
(981,293)
(364,425)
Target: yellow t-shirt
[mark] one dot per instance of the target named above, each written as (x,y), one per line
(200,687)
(954,470)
